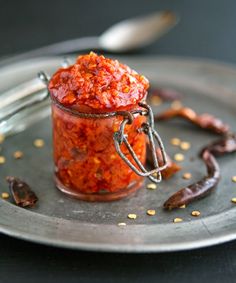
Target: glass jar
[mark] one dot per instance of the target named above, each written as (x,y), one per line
(87,165)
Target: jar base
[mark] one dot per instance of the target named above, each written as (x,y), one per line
(98,197)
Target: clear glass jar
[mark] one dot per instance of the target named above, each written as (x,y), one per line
(87,165)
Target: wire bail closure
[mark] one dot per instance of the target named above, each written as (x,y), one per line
(148,128)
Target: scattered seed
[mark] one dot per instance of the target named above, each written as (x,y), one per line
(175,141)
(151,212)
(196,213)
(187,176)
(177,220)
(233,200)
(176,104)
(156,101)
(18,154)
(183,206)
(122,224)
(2,138)
(151,186)
(185,145)
(39,143)
(5,195)
(179,157)
(2,159)
(234,179)
(132,216)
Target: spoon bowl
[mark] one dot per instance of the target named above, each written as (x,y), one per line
(137,32)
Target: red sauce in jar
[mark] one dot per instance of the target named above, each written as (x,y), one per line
(99,83)
(87,165)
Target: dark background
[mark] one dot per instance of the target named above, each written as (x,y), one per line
(207,29)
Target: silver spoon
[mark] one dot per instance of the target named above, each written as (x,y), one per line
(124,36)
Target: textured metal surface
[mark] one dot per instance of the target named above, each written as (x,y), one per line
(62,221)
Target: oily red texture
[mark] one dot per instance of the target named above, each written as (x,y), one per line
(99,83)
(85,157)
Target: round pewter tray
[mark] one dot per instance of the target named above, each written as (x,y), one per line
(61,221)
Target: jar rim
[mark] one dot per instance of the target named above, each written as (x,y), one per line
(99,115)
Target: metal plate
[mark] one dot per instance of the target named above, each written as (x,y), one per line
(61,221)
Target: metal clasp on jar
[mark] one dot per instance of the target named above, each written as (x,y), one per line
(148,128)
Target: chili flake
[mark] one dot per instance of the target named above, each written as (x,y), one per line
(132,216)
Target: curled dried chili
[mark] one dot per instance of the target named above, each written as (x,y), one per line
(204,121)
(201,188)
(165,94)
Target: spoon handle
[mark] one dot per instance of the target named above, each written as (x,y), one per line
(68,46)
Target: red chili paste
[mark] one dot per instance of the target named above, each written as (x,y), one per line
(86,161)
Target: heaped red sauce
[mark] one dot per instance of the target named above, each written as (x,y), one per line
(87,165)
(98,82)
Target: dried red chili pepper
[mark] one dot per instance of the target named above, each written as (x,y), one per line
(166,94)
(21,192)
(204,121)
(209,182)
(171,168)
(222,146)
